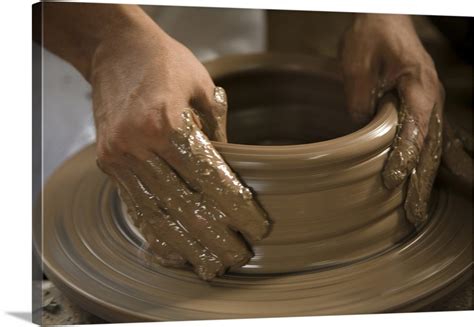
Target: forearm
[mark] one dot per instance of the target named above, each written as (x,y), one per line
(75,31)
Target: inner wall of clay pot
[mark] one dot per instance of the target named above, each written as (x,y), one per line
(284,108)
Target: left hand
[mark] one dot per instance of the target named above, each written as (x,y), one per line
(381,53)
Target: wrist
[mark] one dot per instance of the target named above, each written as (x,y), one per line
(124,31)
(124,45)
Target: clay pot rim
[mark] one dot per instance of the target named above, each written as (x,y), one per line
(374,137)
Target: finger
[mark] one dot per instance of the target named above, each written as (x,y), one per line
(162,252)
(205,264)
(454,155)
(360,73)
(405,151)
(422,178)
(211,107)
(199,217)
(413,119)
(361,94)
(201,166)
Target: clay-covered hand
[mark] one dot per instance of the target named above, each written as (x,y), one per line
(381,53)
(185,200)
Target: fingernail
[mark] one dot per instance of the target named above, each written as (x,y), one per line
(220,96)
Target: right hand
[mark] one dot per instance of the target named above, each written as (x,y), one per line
(381,54)
(180,193)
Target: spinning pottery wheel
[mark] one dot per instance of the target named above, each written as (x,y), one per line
(340,242)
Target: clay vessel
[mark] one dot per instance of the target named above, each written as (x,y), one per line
(325,197)
(315,172)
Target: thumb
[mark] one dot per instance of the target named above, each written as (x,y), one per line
(211,106)
(360,87)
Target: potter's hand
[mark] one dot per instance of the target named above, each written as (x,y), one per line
(183,197)
(180,193)
(381,53)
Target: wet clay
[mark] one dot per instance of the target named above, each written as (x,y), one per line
(419,166)
(405,153)
(370,259)
(93,257)
(422,177)
(194,215)
(214,122)
(300,186)
(303,187)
